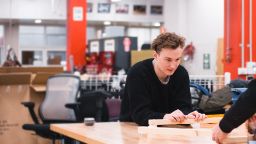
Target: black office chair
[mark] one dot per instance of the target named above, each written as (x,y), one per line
(113,108)
(61,89)
(91,104)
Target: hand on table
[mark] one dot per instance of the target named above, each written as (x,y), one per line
(196,115)
(176,116)
(218,135)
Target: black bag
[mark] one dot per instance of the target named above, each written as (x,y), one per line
(216,101)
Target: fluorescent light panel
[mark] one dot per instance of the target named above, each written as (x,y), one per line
(38,21)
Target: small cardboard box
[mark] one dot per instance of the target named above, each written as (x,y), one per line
(52,69)
(14,88)
(18,85)
(39,81)
(15,78)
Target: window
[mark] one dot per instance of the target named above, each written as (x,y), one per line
(56,57)
(42,45)
(32,57)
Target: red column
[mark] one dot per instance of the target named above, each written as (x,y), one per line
(76,32)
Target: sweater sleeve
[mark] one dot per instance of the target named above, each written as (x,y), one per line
(140,101)
(183,92)
(243,109)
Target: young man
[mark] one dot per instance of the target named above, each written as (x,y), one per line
(242,110)
(158,88)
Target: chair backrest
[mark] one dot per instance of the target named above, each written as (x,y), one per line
(61,89)
(114,107)
(92,104)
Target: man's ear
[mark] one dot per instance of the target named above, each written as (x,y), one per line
(154,54)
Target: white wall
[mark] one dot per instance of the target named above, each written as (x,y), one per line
(91,33)
(1,44)
(200,21)
(11,37)
(33,9)
(175,16)
(144,35)
(114,31)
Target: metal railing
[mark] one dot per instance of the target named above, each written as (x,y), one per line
(112,83)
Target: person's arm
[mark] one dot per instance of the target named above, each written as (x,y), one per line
(184,96)
(243,109)
(183,92)
(140,101)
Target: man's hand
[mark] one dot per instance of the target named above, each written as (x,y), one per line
(196,115)
(218,135)
(176,116)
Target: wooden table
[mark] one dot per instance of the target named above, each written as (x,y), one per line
(121,133)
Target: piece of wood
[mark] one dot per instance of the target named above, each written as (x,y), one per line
(39,88)
(155,122)
(234,137)
(220,57)
(164,131)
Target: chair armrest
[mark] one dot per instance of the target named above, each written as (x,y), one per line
(72,105)
(30,106)
(75,107)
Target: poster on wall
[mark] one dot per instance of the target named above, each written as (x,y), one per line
(127,44)
(95,46)
(206,61)
(156,10)
(122,8)
(109,45)
(89,7)
(104,8)
(78,14)
(139,9)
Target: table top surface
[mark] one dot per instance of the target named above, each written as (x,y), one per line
(124,133)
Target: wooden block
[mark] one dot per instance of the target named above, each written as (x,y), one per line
(213,120)
(236,139)
(189,132)
(168,131)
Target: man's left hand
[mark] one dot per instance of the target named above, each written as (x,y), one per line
(196,115)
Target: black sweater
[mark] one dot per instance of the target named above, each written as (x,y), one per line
(145,97)
(243,109)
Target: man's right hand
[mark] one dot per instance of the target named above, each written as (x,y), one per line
(176,116)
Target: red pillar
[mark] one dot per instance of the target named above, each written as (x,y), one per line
(76,32)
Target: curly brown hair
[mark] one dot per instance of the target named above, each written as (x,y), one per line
(167,40)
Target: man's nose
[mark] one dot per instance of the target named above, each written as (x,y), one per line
(172,65)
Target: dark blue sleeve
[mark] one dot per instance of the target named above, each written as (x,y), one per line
(243,109)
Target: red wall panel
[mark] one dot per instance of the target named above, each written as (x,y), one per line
(233,31)
(76,34)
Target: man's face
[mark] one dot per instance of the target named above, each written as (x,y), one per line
(167,60)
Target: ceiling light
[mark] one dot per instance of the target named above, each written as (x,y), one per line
(115,0)
(38,21)
(156,24)
(107,23)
